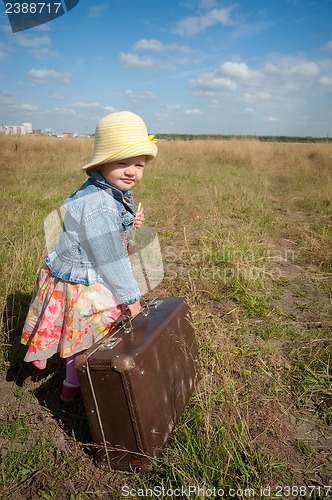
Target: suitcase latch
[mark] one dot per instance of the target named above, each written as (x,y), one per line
(110,344)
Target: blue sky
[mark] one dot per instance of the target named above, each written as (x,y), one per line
(197,66)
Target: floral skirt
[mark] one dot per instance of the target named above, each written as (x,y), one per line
(66,317)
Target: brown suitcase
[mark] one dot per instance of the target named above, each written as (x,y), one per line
(136,382)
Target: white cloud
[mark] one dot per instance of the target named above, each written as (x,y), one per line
(6,29)
(93,106)
(63,111)
(134,61)
(218,16)
(29,42)
(326,82)
(193,112)
(226,78)
(249,111)
(179,61)
(272,119)
(172,107)
(39,45)
(43,75)
(208,4)
(284,82)
(188,27)
(161,116)
(87,105)
(196,24)
(259,96)
(170,62)
(6,98)
(149,45)
(44,53)
(58,96)
(289,70)
(212,84)
(41,27)
(7,101)
(138,96)
(97,10)
(168,111)
(26,107)
(157,46)
(329,45)
(4,53)
(250,30)
(241,72)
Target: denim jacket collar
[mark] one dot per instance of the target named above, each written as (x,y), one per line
(121,196)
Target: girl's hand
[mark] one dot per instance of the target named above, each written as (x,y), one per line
(134,308)
(139,218)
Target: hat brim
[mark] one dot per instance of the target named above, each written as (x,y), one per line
(150,151)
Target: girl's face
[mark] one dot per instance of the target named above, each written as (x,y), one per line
(124,174)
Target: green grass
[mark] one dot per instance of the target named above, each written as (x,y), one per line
(310,377)
(245,234)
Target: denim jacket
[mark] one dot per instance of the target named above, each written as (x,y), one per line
(97,226)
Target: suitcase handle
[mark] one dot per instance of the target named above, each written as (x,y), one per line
(148,304)
(126,320)
(126,323)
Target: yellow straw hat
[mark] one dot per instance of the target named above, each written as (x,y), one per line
(121,135)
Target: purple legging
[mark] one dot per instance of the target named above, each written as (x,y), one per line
(71,373)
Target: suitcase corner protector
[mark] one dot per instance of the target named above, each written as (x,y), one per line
(122,363)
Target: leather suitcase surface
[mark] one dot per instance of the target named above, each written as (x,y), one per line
(136,382)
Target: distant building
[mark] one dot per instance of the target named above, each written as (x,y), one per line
(67,134)
(28,128)
(24,129)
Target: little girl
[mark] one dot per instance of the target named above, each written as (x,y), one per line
(86,281)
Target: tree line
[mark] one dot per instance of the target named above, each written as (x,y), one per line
(227,137)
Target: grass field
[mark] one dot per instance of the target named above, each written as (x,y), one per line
(245,231)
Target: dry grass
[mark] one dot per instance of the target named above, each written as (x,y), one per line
(245,230)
